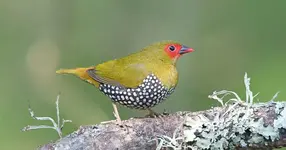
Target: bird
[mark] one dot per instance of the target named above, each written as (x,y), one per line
(140,80)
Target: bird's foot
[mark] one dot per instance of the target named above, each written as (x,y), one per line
(153,114)
(116,115)
(118,119)
(118,122)
(165,112)
(113,121)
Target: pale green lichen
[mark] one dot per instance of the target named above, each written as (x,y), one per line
(240,124)
(280,122)
(58,126)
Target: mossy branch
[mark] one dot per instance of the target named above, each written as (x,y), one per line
(264,128)
(237,124)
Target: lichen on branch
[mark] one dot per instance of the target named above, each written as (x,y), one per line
(57,126)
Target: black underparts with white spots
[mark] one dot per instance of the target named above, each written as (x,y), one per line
(148,94)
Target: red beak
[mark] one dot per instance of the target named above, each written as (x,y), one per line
(185,49)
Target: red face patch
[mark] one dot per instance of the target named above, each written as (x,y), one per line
(173,50)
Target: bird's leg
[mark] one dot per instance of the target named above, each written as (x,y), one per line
(116,114)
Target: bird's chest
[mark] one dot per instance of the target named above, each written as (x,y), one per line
(146,95)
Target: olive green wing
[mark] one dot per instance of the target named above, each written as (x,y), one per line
(121,73)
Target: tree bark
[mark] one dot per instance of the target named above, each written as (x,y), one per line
(237,126)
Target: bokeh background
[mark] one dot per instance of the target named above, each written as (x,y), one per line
(37,37)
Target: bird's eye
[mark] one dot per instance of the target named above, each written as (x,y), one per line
(172,48)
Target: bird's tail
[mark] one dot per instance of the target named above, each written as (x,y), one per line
(79,72)
(66,71)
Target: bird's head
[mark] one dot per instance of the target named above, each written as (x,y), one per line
(168,50)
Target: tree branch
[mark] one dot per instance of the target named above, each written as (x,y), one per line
(263,128)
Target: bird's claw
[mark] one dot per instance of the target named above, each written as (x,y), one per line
(153,114)
(116,121)
(112,121)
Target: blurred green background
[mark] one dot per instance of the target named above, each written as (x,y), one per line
(40,36)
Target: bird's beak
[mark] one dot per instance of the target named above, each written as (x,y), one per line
(185,50)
